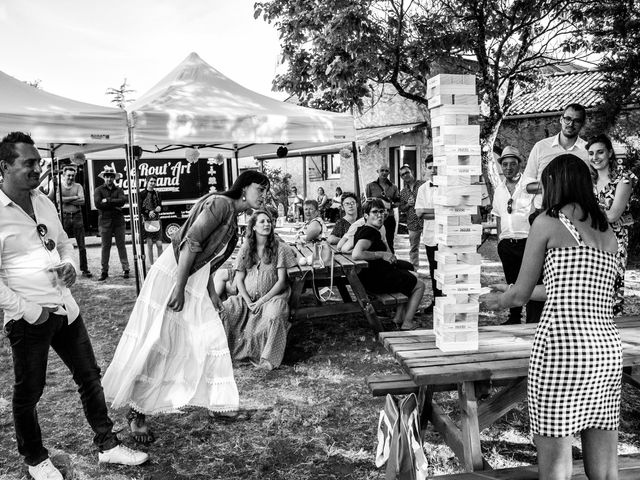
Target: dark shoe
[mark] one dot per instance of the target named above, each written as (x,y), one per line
(87,274)
(126,274)
(103,276)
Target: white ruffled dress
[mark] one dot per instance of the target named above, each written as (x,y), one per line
(166,360)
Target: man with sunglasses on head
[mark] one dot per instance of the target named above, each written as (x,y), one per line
(567,140)
(386,191)
(512,205)
(36,271)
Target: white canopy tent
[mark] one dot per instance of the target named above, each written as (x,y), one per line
(61,125)
(197,105)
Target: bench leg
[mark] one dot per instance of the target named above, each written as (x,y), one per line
(425,406)
(344,293)
(363,300)
(470,427)
(296,292)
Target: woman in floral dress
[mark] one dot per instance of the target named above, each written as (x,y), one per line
(257,318)
(613,185)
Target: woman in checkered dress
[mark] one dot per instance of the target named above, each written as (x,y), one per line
(576,361)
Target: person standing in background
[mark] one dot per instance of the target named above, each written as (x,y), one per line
(415,224)
(613,185)
(386,191)
(336,203)
(323,202)
(150,208)
(109,199)
(72,221)
(424,210)
(512,206)
(568,140)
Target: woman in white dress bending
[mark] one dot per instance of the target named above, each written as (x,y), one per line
(174,350)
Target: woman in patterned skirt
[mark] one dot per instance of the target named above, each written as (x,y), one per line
(257,318)
(575,369)
(613,184)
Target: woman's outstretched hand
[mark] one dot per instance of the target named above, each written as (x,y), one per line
(491,300)
(176,300)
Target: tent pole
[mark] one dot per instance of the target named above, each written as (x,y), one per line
(56,181)
(138,260)
(356,170)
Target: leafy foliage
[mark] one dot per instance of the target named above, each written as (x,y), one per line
(120,94)
(280,185)
(335,50)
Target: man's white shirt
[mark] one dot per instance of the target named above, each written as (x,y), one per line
(541,155)
(26,281)
(424,199)
(516,223)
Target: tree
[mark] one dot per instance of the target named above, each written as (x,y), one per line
(280,186)
(34,83)
(120,95)
(336,49)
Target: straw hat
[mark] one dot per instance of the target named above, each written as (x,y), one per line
(109,170)
(511,152)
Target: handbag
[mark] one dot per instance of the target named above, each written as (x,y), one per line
(399,441)
(152,226)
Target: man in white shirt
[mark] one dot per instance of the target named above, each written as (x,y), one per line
(567,141)
(424,210)
(512,205)
(36,271)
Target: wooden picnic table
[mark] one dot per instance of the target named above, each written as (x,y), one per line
(343,272)
(502,359)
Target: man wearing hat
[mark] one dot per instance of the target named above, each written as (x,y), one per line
(72,195)
(512,206)
(109,200)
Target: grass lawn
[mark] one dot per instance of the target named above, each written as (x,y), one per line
(311,418)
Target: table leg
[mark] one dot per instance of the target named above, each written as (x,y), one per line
(363,300)
(296,291)
(470,427)
(344,293)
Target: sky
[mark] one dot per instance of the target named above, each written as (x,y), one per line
(79,48)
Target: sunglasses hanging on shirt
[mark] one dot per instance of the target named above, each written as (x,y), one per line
(48,243)
(510,206)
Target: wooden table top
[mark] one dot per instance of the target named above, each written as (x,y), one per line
(503,353)
(343,263)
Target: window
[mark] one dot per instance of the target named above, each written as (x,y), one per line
(323,167)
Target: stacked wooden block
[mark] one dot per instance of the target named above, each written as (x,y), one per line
(456,154)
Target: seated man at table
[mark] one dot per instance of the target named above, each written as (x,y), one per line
(314,228)
(385,273)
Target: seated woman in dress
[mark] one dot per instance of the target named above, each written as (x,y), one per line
(575,368)
(385,273)
(613,185)
(256,319)
(350,206)
(314,228)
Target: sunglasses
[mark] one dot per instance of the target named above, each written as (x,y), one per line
(571,121)
(510,206)
(42,232)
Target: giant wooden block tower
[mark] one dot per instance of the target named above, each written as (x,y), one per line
(456,154)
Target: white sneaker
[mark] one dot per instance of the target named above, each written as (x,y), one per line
(45,470)
(122,455)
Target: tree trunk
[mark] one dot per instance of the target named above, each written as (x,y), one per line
(490,169)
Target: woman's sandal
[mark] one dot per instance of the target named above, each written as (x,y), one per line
(140,431)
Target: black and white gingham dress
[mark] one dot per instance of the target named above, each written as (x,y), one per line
(575,370)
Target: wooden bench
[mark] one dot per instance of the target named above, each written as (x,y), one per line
(402,384)
(628,469)
(380,302)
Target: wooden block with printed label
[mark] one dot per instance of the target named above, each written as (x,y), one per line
(456,135)
(452,99)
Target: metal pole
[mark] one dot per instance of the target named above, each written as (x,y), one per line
(56,181)
(133,212)
(356,170)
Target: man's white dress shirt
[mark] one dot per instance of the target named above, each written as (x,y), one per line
(541,155)
(27,281)
(516,223)
(424,199)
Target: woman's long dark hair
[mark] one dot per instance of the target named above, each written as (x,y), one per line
(250,258)
(244,180)
(567,180)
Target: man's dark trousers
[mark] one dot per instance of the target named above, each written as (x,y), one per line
(511,253)
(431,256)
(30,349)
(109,228)
(74,227)
(390,230)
